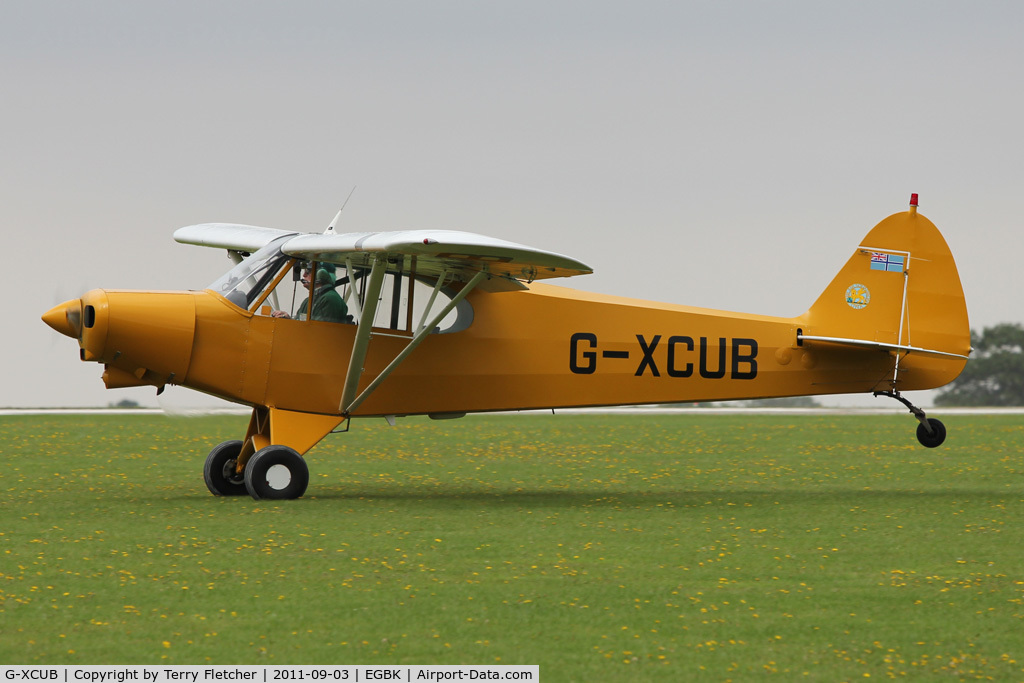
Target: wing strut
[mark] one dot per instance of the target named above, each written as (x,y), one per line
(348,405)
(430,302)
(362,341)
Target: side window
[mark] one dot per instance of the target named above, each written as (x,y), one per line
(270,283)
(407,302)
(320,282)
(288,293)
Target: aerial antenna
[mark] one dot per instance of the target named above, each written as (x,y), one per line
(330,228)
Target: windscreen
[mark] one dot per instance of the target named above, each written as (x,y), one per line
(243,284)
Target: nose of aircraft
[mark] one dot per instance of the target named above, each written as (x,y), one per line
(141,337)
(66,318)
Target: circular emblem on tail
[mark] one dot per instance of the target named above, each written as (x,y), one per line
(858,296)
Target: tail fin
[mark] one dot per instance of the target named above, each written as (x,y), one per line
(900,292)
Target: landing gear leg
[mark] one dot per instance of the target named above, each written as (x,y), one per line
(930,432)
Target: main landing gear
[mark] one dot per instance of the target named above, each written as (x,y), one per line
(221,470)
(930,432)
(272,473)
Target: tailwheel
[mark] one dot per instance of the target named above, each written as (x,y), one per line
(220,471)
(934,437)
(930,432)
(276,473)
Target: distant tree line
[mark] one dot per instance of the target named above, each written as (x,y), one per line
(124,403)
(994,375)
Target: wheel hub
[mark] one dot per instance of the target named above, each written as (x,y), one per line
(278,477)
(230,472)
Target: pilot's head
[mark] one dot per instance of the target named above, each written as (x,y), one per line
(323,277)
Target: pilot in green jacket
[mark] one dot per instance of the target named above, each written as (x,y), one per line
(327,303)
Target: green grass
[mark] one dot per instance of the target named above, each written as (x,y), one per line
(706,547)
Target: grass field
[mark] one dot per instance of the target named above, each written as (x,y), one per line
(663,547)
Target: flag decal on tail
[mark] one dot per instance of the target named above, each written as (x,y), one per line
(892,263)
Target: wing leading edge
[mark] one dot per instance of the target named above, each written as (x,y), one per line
(438,251)
(456,253)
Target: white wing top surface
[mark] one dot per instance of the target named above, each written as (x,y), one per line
(439,250)
(434,251)
(229,236)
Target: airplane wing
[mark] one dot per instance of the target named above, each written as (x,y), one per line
(231,236)
(437,251)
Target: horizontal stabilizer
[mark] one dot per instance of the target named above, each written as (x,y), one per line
(877,345)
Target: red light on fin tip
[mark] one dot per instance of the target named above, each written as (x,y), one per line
(913,199)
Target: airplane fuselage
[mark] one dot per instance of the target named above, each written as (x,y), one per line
(546,347)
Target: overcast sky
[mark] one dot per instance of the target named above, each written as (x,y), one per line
(726,155)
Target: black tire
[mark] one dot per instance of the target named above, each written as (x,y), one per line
(937,436)
(219,470)
(276,473)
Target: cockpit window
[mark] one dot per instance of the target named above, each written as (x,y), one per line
(243,284)
(405,302)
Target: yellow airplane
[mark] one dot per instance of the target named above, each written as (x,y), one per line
(311,330)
